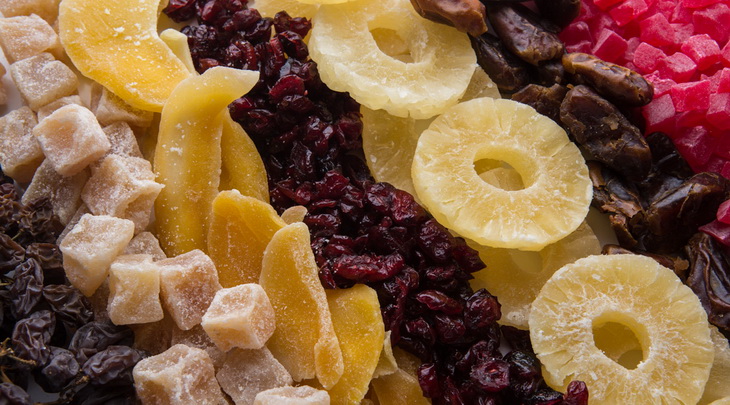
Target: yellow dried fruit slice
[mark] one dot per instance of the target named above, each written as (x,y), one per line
(240,229)
(269,8)
(722,401)
(242,168)
(717,386)
(635,291)
(400,387)
(115,43)
(557,191)
(294,214)
(386,363)
(516,276)
(188,155)
(178,44)
(349,58)
(304,341)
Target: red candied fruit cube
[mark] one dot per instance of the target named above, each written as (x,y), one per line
(719,231)
(661,85)
(610,46)
(695,145)
(660,114)
(678,67)
(723,84)
(726,54)
(665,7)
(682,32)
(702,49)
(726,170)
(681,14)
(582,46)
(576,32)
(715,164)
(718,114)
(646,57)
(723,212)
(691,118)
(698,3)
(628,11)
(605,4)
(656,30)
(713,21)
(691,96)
(601,22)
(722,144)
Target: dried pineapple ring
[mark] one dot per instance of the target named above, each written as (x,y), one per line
(717,388)
(349,59)
(557,191)
(635,291)
(269,8)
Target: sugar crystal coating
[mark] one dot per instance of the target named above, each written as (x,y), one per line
(245,373)
(71,139)
(20,153)
(180,375)
(46,9)
(109,108)
(91,246)
(64,192)
(75,218)
(303,395)
(198,338)
(122,139)
(23,37)
(145,243)
(41,79)
(50,108)
(134,286)
(241,317)
(188,284)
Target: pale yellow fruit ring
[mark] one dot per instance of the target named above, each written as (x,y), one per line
(635,291)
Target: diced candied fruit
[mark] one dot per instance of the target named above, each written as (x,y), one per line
(71,139)
(723,213)
(122,140)
(20,152)
(682,32)
(703,50)
(3,91)
(304,340)
(294,214)
(180,375)
(145,243)
(245,373)
(188,284)
(646,57)
(691,96)
(723,80)
(41,79)
(726,54)
(46,9)
(691,118)
(696,145)
(134,290)
(719,112)
(698,3)
(109,109)
(718,230)
(124,187)
(609,46)
(660,114)
(678,67)
(80,212)
(64,192)
(50,108)
(656,30)
(196,337)
(240,316)
(23,37)
(303,395)
(605,4)
(714,21)
(91,246)
(577,32)
(628,11)
(661,86)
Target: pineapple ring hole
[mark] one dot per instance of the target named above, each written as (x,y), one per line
(392,44)
(618,340)
(499,174)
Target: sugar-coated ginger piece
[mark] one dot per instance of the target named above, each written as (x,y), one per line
(241,228)
(71,139)
(180,375)
(51,107)
(109,108)
(91,246)
(240,316)
(134,286)
(197,337)
(303,395)
(304,340)
(64,192)
(46,9)
(122,139)
(41,79)
(245,373)
(145,243)
(20,152)
(188,283)
(25,36)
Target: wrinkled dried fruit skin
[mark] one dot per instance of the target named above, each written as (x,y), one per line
(621,85)
(11,254)
(112,365)
(669,170)
(32,335)
(559,12)
(51,260)
(709,278)
(508,72)
(676,263)
(613,194)
(605,133)
(466,15)
(69,304)
(550,73)
(25,291)
(60,370)
(522,33)
(546,100)
(13,395)
(94,337)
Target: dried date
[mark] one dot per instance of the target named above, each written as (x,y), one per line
(97,336)
(466,15)
(545,100)
(523,33)
(709,278)
(60,370)
(112,366)
(559,12)
(508,72)
(32,335)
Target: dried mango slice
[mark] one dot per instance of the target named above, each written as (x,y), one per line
(188,155)
(386,363)
(115,43)
(243,168)
(178,43)
(304,341)
(240,229)
(294,214)
(400,387)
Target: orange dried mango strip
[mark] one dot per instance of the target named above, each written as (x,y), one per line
(401,387)
(243,169)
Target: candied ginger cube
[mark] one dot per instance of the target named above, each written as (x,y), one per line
(196,337)
(23,37)
(134,290)
(109,108)
(188,284)
(20,153)
(303,395)
(91,246)
(240,316)
(80,212)
(145,243)
(64,192)
(124,187)
(71,139)
(122,139)
(245,373)
(46,9)
(180,375)
(49,109)
(41,79)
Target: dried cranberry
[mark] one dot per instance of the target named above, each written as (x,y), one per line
(576,394)
(180,10)
(428,379)
(438,301)
(482,309)
(491,375)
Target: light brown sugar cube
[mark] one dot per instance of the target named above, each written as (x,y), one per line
(91,246)
(188,284)
(109,108)
(20,152)
(123,141)
(71,139)
(303,395)
(196,337)
(124,187)
(145,243)
(64,192)
(245,373)
(180,375)
(25,36)
(134,287)
(46,9)
(49,109)
(41,80)
(240,316)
